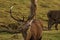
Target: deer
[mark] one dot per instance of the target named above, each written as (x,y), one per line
(53,18)
(31,28)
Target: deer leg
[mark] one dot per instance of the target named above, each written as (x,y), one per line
(56,26)
(50,23)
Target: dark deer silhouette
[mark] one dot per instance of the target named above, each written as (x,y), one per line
(31,29)
(53,18)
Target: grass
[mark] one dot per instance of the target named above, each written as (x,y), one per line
(51,35)
(21,7)
(47,35)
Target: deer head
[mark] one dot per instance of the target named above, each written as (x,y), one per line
(27,23)
(24,25)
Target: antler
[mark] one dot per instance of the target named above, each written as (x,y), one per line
(33,10)
(18,20)
(32,14)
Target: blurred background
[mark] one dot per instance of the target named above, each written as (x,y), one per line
(22,8)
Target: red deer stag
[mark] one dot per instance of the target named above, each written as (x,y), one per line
(31,29)
(53,18)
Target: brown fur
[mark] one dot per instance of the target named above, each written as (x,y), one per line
(35,32)
(53,18)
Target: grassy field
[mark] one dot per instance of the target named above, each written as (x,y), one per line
(22,7)
(51,35)
(47,35)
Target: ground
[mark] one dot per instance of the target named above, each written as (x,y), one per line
(47,35)
(22,7)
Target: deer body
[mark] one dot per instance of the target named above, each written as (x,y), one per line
(35,32)
(53,18)
(31,29)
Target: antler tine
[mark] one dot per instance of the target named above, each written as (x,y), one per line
(11,7)
(33,10)
(18,20)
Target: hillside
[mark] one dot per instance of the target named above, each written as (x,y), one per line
(22,7)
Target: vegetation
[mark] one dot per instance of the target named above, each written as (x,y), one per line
(22,8)
(47,35)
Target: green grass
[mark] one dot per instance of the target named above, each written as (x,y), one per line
(47,35)
(51,35)
(21,7)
